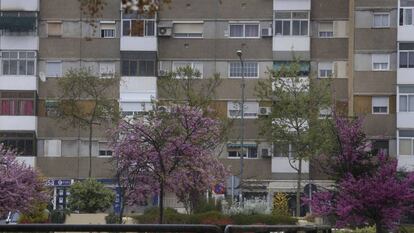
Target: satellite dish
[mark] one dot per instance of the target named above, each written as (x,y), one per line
(42,76)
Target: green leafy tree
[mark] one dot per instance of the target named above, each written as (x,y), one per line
(294,125)
(90,196)
(87,100)
(280,204)
(37,214)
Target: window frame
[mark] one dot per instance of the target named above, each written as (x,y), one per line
(244,24)
(246,149)
(326,70)
(137,68)
(378,55)
(192,64)
(407,95)
(319,30)
(61,69)
(291,21)
(387,14)
(107,26)
(181,36)
(235,106)
(18,59)
(374,106)
(245,76)
(144,30)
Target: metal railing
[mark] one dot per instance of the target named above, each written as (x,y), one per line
(162,228)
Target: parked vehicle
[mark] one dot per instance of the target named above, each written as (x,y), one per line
(12,217)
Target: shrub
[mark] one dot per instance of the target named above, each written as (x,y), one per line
(58,216)
(245,219)
(90,196)
(37,214)
(112,218)
(212,217)
(207,206)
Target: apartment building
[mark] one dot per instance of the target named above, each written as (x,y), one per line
(364,45)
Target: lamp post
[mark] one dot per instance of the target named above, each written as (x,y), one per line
(239,54)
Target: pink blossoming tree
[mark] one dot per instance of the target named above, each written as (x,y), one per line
(368,189)
(20,185)
(167,151)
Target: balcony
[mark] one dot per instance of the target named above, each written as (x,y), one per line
(405,75)
(18,82)
(19,5)
(406,33)
(28,160)
(138,88)
(18,123)
(19,42)
(129,43)
(406,162)
(291,43)
(281,165)
(405,120)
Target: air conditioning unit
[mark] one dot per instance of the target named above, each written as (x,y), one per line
(266,153)
(267,32)
(265,111)
(164,31)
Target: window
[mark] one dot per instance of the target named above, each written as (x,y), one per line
(244,30)
(135,108)
(104,149)
(250,109)
(326,29)
(406,15)
(196,66)
(17,103)
(251,70)
(406,51)
(285,66)
(188,30)
(291,23)
(51,107)
(381,20)
(380,105)
(138,25)
(107,29)
(54,69)
(406,142)
(106,69)
(406,95)
(24,143)
(138,68)
(18,62)
(54,28)
(325,69)
(380,62)
(284,150)
(249,150)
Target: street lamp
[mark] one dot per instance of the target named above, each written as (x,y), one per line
(239,54)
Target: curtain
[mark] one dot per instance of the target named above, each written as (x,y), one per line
(28,107)
(5,107)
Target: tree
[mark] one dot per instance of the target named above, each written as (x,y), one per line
(86,101)
(20,185)
(294,126)
(90,196)
(167,151)
(368,190)
(280,204)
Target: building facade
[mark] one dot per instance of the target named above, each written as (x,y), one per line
(366,46)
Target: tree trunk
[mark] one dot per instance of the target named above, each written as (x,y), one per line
(122,203)
(299,188)
(161,217)
(90,149)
